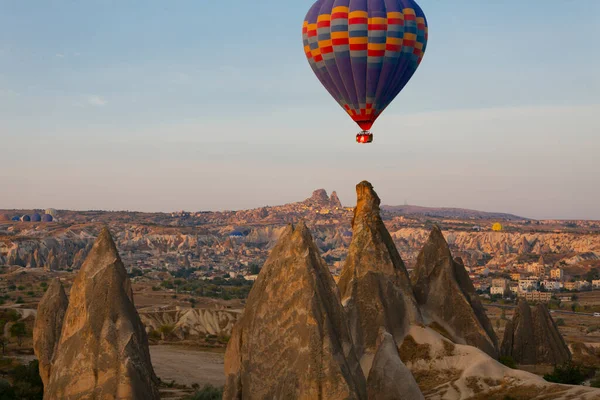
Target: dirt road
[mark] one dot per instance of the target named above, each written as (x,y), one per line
(187,366)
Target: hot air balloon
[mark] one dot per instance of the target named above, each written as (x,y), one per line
(364,52)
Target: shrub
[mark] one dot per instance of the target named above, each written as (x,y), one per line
(560,322)
(154,334)
(595,383)
(568,374)
(208,392)
(508,361)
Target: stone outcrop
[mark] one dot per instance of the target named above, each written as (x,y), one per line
(292,341)
(334,200)
(319,196)
(389,379)
(190,323)
(447,297)
(48,325)
(103,349)
(532,337)
(374,284)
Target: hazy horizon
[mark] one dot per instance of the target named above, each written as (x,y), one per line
(106,105)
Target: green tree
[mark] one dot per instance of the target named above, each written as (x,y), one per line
(567,374)
(18,330)
(208,392)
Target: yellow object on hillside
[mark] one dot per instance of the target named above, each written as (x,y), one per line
(497,227)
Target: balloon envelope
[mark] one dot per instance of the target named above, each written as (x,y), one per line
(364,51)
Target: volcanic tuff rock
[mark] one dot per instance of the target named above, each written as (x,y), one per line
(532,337)
(447,296)
(189,322)
(319,196)
(292,341)
(103,350)
(48,325)
(374,285)
(334,200)
(389,378)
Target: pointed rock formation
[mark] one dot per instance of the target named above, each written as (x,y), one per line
(48,325)
(292,341)
(389,379)
(532,337)
(374,285)
(335,200)
(103,350)
(319,196)
(447,297)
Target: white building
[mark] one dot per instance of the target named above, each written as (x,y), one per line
(596,284)
(552,286)
(528,284)
(500,283)
(497,290)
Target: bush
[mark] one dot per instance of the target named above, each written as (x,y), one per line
(208,392)
(508,361)
(568,374)
(27,384)
(595,383)
(154,334)
(560,322)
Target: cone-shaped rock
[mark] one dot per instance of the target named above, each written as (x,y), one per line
(389,378)
(292,341)
(374,285)
(335,200)
(48,325)
(103,350)
(532,337)
(447,296)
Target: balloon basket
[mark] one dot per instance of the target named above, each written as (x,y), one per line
(364,137)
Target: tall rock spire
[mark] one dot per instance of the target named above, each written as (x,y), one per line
(292,340)
(532,337)
(103,350)
(376,290)
(48,325)
(447,296)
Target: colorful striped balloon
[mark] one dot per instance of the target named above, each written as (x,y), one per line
(364,51)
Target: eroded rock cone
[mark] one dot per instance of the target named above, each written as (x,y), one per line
(292,341)
(532,337)
(374,285)
(335,200)
(389,378)
(103,350)
(48,325)
(447,296)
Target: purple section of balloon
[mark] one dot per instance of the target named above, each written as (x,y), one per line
(376,62)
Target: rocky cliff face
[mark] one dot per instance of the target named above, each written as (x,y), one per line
(190,323)
(532,337)
(292,341)
(103,349)
(48,325)
(447,297)
(374,285)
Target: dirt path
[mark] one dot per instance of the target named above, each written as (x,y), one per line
(187,366)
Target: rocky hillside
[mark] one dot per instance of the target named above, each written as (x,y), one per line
(298,338)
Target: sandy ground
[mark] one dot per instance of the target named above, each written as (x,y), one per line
(187,366)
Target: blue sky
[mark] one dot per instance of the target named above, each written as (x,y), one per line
(195,105)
